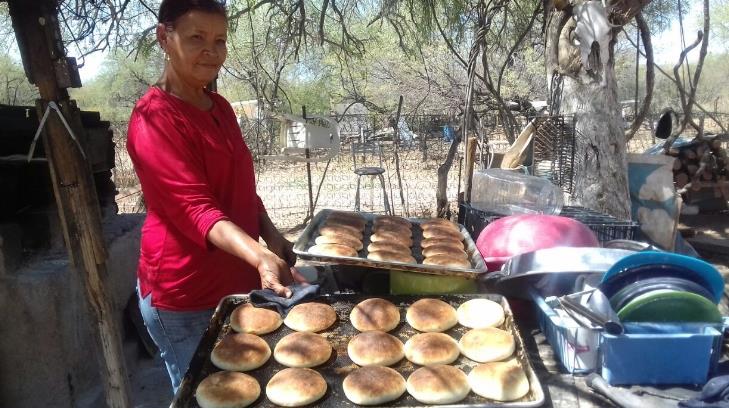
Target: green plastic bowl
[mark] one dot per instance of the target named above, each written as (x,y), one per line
(412,283)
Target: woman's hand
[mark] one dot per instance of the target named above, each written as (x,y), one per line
(276,274)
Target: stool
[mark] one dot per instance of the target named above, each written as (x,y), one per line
(375,151)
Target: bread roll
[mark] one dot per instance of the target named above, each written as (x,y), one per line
(392,220)
(240,352)
(431,349)
(390,256)
(444,250)
(225,389)
(388,246)
(376,348)
(480,313)
(373,385)
(302,350)
(485,345)
(429,242)
(439,384)
(340,230)
(453,261)
(333,250)
(431,315)
(357,222)
(310,317)
(294,387)
(247,318)
(394,228)
(391,237)
(440,233)
(375,314)
(500,381)
(339,239)
(439,222)
(445,225)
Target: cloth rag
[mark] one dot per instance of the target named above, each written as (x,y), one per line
(715,394)
(299,294)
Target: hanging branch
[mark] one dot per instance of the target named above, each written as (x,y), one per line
(650,75)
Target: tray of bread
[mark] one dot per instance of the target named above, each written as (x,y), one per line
(348,350)
(434,246)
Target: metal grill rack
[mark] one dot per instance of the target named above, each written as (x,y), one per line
(553,146)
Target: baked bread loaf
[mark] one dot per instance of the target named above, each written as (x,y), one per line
(247,318)
(355,221)
(294,387)
(431,349)
(373,385)
(439,222)
(480,313)
(302,350)
(376,348)
(394,228)
(336,229)
(388,236)
(429,242)
(444,250)
(375,314)
(439,384)
(441,232)
(485,345)
(499,380)
(310,317)
(240,352)
(225,389)
(431,315)
(453,261)
(333,250)
(388,246)
(390,256)
(391,220)
(339,239)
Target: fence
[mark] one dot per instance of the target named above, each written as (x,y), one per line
(284,186)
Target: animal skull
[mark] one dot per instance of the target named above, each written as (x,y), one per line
(592,26)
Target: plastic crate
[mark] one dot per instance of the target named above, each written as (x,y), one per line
(646,354)
(606,227)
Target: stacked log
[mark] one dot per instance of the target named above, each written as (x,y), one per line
(702,164)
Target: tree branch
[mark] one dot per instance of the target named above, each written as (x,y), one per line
(645,35)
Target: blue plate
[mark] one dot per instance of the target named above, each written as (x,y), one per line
(703,271)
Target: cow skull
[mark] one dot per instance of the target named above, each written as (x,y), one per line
(592,26)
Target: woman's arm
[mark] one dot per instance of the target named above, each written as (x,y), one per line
(275,273)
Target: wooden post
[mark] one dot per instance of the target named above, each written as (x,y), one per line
(396,137)
(470,161)
(36,29)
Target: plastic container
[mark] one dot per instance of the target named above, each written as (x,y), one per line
(412,283)
(661,354)
(647,353)
(510,192)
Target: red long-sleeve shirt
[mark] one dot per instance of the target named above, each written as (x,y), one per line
(195,170)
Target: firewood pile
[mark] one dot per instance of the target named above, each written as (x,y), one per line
(701,165)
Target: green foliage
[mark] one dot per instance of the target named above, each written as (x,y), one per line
(720,23)
(119,85)
(14,86)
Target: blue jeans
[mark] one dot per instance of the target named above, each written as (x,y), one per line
(177,335)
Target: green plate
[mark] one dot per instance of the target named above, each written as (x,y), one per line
(670,306)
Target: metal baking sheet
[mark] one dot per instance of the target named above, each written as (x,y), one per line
(306,241)
(336,369)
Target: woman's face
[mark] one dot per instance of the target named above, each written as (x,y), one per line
(196,46)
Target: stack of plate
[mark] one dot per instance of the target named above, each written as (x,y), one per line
(663,287)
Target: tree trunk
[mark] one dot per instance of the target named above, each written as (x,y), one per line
(600,165)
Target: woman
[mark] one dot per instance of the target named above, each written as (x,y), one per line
(204,218)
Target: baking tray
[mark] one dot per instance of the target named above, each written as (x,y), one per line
(306,241)
(339,365)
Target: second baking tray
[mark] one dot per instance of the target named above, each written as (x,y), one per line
(306,241)
(339,365)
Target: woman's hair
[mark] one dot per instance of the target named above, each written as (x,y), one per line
(171,10)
